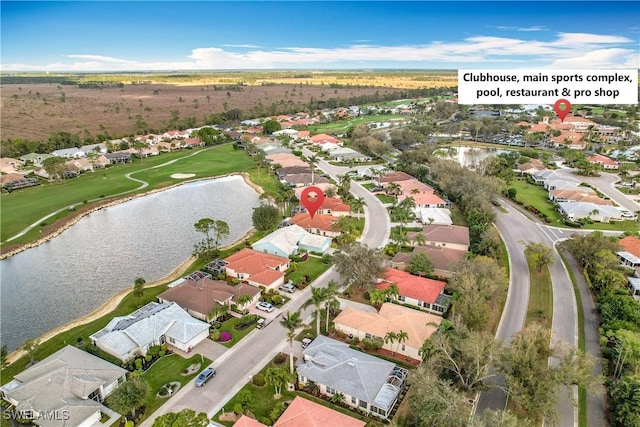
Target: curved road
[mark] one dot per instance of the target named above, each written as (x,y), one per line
(605,184)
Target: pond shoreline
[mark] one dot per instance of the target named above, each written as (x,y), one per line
(112,302)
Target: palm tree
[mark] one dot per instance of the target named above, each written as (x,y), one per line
(390,338)
(358,205)
(331,302)
(392,292)
(312,161)
(345,183)
(401,337)
(399,237)
(318,297)
(420,239)
(243,300)
(291,321)
(393,189)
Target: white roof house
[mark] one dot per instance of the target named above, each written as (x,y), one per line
(599,213)
(435,216)
(127,336)
(69,153)
(70,383)
(289,240)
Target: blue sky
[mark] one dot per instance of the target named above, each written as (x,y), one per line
(210,35)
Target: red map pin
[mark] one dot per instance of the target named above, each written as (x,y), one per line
(312,198)
(562,107)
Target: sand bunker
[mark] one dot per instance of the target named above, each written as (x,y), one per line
(183,175)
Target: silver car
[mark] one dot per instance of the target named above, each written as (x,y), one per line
(205,376)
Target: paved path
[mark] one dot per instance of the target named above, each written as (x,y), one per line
(596,404)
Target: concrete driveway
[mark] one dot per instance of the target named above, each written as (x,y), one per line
(208,348)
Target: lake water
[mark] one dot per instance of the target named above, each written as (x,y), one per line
(75,273)
(469,157)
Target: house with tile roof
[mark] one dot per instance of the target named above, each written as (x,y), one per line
(450,236)
(396,176)
(443,259)
(604,161)
(322,225)
(436,216)
(126,337)
(10,165)
(418,325)
(200,298)
(428,294)
(630,253)
(302,412)
(580,210)
(257,268)
(287,241)
(35,159)
(65,389)
(323,138)
(580,194)
(368,383)
(333,206)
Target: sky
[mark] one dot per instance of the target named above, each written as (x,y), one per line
(100,36)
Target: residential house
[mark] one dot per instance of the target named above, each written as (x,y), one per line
(69,153)
(418,325)
(443,259)
(435,216)
(9,165)
(428,294)
(451,236)
(94,149)
(634,287)
(368,383)
(35,158)
(257,268)
(322,225)
(302,412)
(581,194)
(322,186)
(369,172)
(530,167)
(323,138)
(570,139)
(604,161)
(192,143)
(14,181)
(119,157)
(82,164)
(303,179)
(174,134)
(290,240)
(202,297)
(580,210)
(330,206)
(292,170)
(630,254)
(126,337)
(346,154)
(65,389)
(395,176)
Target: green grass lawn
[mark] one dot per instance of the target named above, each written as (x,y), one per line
(617,225)
(540,307)
(236,336)
(344,125)
(537,196)
(168,369)
(24,207)
(127,306)
(370,185)
(314,267)
(385,199)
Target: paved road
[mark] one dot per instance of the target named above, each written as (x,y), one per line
(605,183)
(516,229)
(248,357)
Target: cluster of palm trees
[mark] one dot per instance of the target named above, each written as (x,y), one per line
(399,337)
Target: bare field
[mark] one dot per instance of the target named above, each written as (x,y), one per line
(32,111)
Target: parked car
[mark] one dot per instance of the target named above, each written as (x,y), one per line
(306,342)
(261,323)
(264,306)
(205,376)
(287,287)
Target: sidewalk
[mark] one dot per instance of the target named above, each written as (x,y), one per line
(596,405)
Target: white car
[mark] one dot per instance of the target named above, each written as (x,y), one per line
(264,306)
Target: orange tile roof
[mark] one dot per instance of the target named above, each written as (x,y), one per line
(599,158)
(245,421)
(631,244)
(324,138)
(320,222)
(305,413)
(423,198)
(335,204)
(420,288)
(253,262)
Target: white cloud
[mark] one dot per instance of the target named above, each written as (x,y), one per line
(533,28)
(248,46)
(566,50)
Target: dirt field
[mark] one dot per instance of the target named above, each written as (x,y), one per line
(33,111)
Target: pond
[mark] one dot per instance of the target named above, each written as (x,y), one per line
(73,274)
